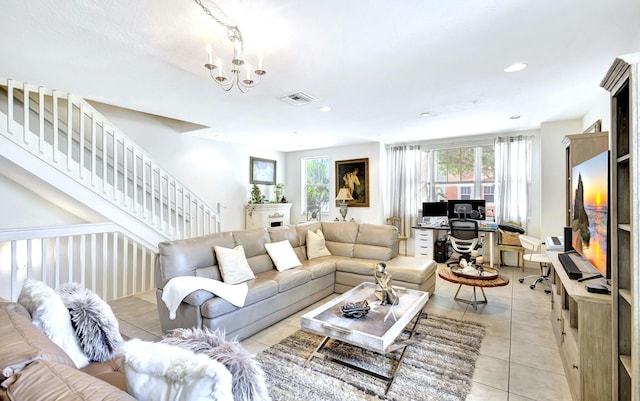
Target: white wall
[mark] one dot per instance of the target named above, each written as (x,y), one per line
(23,208)
(551,158)
(216,171)
(374,151)
(600,110)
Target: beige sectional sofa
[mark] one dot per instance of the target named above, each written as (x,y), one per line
(273,295)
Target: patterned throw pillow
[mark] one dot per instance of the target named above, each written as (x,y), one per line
(94,322)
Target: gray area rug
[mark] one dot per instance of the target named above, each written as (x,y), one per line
(438,366)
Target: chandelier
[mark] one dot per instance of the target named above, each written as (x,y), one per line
(243,80)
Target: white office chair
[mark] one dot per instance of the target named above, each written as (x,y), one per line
(533,253)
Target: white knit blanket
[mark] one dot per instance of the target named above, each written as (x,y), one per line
(179,287)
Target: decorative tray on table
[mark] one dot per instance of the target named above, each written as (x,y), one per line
(486,273)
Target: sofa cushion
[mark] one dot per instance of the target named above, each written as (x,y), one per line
(233,265)
(21,342)
(198,297)
(376,241)
(252,240)
(340,237)
(302,229)
(319,267)
(47,380)
(287,279)
(316,247)
(182,257)
(283,255)
(282,233)
(411,269)
(111,371)
(212,272)
(374,252)
(259,289)
(402,268)
(358,266)
(49,314)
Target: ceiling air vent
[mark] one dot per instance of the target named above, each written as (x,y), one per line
(298,98)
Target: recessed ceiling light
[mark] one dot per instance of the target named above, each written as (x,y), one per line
(515,67)
(325,108)
(514,117)
(425,114)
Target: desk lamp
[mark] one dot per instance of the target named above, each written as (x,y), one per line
(343,196)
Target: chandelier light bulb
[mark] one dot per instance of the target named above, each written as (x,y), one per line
(219,64)
(209,56)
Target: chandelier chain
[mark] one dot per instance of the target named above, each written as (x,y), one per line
(233,32)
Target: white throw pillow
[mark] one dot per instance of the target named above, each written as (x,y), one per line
(233,265)
(163,372)
(283,255)
(49,314)
(315,245)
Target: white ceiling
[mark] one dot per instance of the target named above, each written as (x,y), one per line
(377,63)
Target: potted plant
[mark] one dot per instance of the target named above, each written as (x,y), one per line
(278,190)
(256,198)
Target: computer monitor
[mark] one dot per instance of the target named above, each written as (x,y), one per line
(434,209)
(467,208)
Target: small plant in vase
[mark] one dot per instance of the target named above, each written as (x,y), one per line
(256,198)
(278,190)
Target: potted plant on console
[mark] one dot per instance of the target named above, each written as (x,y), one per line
(278,190)
(255,199)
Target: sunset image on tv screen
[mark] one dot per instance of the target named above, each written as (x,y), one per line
(590,210)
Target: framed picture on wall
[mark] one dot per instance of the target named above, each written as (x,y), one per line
(354,175)
(262,171)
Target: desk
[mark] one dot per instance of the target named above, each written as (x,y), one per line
(424,238)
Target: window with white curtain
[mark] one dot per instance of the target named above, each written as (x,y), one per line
(459,173)
(315,187)
(513,178)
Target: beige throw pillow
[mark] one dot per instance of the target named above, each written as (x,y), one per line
(283,255)
(233,265)
(315,245)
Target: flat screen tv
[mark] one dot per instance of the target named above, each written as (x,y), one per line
(434,209)
(590,211)
(467,208)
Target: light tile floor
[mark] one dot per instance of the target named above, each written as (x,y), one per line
(519,359)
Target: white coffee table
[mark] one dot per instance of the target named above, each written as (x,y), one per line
(371,332)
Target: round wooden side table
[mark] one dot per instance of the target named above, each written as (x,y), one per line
(448,275)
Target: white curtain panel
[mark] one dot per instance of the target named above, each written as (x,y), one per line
(513,178)
(403,185)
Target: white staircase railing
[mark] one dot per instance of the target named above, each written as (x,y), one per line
(70,135)
(102,257)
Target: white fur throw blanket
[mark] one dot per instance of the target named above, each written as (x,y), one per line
(162,372)
(179,287)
